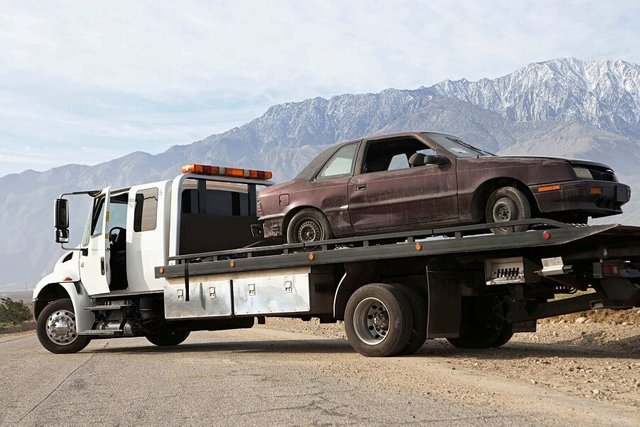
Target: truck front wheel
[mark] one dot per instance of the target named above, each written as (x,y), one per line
(56,328)
(378,320)
(168,337)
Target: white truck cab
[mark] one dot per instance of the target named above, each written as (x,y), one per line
(128,233)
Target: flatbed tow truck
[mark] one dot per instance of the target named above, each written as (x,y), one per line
(163,259)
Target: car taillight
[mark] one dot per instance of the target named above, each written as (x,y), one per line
(259,209)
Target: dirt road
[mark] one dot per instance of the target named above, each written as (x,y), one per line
(271,375)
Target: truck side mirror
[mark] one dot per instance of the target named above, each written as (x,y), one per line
(61,220)
(62,235)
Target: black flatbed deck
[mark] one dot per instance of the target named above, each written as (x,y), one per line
(548,237)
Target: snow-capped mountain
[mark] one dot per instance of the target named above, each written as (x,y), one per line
(603,94)
(563,107)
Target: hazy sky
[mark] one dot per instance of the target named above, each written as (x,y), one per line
(88,81)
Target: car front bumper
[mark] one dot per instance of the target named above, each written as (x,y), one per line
(590,197)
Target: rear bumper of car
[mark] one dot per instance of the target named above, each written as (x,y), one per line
(590,197)
(272,227)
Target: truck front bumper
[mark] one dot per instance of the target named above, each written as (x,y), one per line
(590,197)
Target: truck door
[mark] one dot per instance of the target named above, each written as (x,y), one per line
(94,260)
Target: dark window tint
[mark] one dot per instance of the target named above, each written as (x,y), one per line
(226,200)
(145,217)
(341,163)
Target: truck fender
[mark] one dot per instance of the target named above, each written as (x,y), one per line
(355,276)
(46,292)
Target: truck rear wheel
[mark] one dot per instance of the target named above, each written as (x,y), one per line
(56,328)
(168,337)
(484,324)
(378,320)
(419,310)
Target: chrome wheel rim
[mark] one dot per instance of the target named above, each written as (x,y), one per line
(504,209)
(309,231)
(61,327)
(371,321)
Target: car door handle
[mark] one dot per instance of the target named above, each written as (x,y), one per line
(361,187)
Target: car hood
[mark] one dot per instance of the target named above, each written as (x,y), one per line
(575,162)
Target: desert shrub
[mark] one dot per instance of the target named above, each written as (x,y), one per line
(13,311)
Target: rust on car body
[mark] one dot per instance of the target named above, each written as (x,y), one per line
(405,180)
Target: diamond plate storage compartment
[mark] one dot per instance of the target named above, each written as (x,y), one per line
(209,298)
(274,293)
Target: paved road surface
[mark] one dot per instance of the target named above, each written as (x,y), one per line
(263,376)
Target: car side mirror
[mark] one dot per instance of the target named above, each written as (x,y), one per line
(61,220)
(436,160)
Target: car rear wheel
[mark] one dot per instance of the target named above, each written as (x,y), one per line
(507,204)
(308,226)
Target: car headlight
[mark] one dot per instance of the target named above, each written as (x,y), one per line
(582,173)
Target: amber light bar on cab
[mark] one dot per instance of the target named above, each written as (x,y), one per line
(222,171)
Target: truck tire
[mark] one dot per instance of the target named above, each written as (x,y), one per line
(378,320)
(168,337)
(507,204)
(56,328)
(419,310)
(483,324)
(308,226)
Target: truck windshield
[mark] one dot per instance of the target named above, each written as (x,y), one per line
(456,146)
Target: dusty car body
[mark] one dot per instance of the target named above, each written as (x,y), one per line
(407,180)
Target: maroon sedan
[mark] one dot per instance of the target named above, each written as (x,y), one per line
(411,180)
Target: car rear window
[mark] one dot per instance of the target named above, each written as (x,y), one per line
(341,163)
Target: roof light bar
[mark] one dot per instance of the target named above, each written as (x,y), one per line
(223,171)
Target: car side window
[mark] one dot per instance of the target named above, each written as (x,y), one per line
(392,155)
(340,164)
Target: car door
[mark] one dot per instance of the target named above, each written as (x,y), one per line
(393,195)
(328,190)
(94,259)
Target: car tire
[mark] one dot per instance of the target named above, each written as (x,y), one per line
(507,204)
(56,328)
(378,320)
(308,226)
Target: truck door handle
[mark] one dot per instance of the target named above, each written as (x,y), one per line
(361,187)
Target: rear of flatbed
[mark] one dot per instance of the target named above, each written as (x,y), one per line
(396,290)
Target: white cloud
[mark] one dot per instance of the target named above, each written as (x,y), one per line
(147,75)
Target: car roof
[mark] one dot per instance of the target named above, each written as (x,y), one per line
(310,170)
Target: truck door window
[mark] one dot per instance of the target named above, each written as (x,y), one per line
(118,214)
(98,216)
(145,216)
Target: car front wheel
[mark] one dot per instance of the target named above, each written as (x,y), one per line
(507,204)
(308,226)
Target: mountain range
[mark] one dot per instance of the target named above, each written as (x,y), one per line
(563,107)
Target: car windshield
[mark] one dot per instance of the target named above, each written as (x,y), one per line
(457,147)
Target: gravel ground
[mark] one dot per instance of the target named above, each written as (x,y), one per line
(595,357)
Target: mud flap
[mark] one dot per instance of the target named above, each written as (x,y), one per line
(445,305)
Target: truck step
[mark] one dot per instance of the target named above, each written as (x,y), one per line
(107,307)
(103,332)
